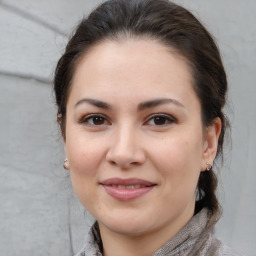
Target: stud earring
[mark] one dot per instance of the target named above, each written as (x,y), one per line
(59,117)
(65,164)
(208,167)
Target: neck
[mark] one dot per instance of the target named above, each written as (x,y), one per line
(116,244)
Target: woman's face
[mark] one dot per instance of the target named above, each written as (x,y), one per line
(134,137)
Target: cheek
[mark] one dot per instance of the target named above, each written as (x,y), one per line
(83,154)
(177,153)
(179,167)
(84,158)
(178,161)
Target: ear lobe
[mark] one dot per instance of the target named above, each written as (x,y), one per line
(66,164)
(211,143)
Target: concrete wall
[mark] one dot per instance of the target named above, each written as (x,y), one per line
(39,214)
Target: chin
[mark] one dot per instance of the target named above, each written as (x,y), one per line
(127,229)
(128,224)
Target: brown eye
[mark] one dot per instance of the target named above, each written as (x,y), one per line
(160,120)
(94,120)
(98,120)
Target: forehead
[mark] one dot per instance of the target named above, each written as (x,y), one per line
(127,51)
(133,65)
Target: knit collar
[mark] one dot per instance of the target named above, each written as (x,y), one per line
(188,236)
(185,240)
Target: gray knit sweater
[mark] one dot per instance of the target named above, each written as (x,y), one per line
(195,239)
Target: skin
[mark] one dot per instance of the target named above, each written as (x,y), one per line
(128,142)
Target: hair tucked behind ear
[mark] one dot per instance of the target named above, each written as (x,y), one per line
(171,25)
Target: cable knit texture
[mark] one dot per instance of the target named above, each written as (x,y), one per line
(195,239)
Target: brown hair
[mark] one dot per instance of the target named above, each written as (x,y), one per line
(173,26)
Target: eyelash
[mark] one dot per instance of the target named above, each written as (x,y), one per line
(104,121)
(86,120)
(165,117)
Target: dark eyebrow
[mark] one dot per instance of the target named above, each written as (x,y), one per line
(156,102)
(97,103)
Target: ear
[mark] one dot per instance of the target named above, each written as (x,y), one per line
(211,137)
(66,164)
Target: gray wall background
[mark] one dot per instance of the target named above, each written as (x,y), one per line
(39,215)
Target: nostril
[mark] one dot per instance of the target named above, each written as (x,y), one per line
(126,165)
(125,157)
(112,163)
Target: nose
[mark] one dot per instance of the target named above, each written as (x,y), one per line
(126,149)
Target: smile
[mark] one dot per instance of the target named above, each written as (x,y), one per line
(127,189)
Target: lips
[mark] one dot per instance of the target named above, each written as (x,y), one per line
(127,189)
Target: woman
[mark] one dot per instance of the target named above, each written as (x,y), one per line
(140,91)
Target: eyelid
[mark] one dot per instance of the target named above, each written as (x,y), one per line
(85,118)
(168,117)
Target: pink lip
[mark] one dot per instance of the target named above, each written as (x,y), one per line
(125,194)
